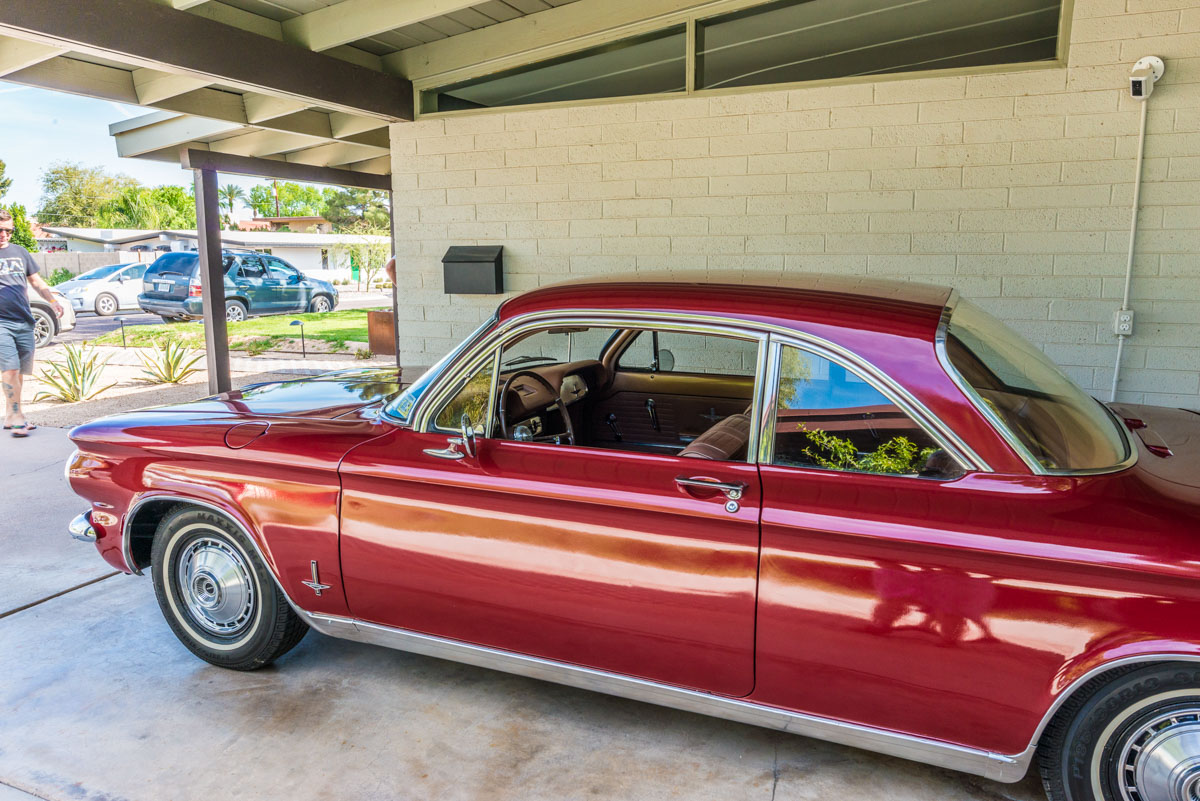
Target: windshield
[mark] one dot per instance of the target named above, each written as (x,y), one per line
(401,408)
(99,272)
(1060,426)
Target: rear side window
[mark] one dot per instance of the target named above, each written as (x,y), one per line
(830,418)
(675,352)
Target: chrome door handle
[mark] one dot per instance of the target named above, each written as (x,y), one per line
(451,451)
(733,491)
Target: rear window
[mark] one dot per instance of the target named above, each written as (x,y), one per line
(1059,425)
(179,263)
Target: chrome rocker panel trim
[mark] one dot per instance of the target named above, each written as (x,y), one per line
(999,767)
(81,528)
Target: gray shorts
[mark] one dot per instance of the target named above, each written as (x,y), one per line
(16,347)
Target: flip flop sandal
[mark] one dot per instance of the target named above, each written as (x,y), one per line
(22,431)
(27,427)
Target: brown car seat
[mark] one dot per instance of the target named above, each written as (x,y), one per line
(726,440)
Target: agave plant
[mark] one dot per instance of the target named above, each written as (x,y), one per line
(166,364)
(74,379)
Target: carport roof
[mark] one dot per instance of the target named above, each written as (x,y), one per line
(248,239)
(311,82)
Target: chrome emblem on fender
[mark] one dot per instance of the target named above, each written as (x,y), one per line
(315,585)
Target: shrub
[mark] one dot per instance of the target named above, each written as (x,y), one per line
(61,275)
(166,364)
(898,456)
(74,379)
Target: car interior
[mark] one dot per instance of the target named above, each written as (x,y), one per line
(690,395)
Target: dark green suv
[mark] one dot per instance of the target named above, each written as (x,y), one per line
(255,283)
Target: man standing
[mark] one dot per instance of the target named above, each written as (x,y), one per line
(17,269)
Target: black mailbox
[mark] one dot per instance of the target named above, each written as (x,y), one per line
(474,270)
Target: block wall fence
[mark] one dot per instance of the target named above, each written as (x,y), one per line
(1016,188)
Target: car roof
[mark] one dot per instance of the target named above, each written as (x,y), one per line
(798,300)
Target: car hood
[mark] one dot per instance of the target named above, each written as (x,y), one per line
(321,397)
(1168,441)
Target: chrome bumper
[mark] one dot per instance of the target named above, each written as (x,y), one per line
(81,528)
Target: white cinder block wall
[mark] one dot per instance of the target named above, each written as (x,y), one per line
(1015,188)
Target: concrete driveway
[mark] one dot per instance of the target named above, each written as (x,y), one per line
(98,700)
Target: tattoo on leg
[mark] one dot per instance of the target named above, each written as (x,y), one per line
(9,389)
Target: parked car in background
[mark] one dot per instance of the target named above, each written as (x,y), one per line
(255,284)
(105,290)
(46,324)
(854,509)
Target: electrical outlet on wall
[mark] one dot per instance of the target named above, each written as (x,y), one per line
(1123,322)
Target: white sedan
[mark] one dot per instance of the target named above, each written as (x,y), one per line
(46,324)
(105,290)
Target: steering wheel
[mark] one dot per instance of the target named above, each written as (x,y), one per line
(557,404)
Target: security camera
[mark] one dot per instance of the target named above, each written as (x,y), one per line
(1141,83)
(1145,73)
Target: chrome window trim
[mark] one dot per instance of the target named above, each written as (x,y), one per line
(1000,427)
(779,342)
(520,326)
(688,321)
(1000,767)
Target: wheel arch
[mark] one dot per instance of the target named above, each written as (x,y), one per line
(321,293)
(145,514)
(49,311)
(1086,682)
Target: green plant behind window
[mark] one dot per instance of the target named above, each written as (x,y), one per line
(166,365)
(74,379)
(897,456)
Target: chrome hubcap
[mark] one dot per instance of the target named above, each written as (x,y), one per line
(216,586)
(1161,760)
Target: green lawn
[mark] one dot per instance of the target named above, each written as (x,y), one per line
(254,335)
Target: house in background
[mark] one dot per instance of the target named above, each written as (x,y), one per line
(298,225)
(325,256)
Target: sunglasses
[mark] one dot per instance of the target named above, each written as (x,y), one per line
(7,230)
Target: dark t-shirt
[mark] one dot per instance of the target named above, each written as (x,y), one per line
(15,266)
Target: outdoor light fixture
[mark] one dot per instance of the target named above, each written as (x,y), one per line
(303,347)
(121,320)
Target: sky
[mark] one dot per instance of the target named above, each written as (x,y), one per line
(39,127)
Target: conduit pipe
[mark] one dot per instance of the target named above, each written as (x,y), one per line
(1141,84)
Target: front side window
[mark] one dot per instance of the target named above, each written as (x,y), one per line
(471,400)
(828,417)
(1060,427)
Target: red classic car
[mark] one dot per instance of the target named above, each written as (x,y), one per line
(858,510)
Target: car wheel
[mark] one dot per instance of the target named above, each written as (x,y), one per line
(235,311)
(106,305)
(217,595)
(1135,737)
(44,327)
(320,304)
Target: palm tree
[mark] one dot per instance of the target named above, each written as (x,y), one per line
(230,194)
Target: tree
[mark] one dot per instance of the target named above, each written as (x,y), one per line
(346,207)
(5,183)
(162,207)
(230,194)
(295,200)
(23,233)
(72,194)
(368,249)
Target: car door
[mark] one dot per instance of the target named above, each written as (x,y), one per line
(606,558)
(287,288)
(252,282)
(129,285)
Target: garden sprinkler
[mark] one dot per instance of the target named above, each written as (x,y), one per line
(121,320)
(303,347)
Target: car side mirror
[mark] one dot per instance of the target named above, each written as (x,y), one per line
(468,435)
(293,279)
(666,360)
